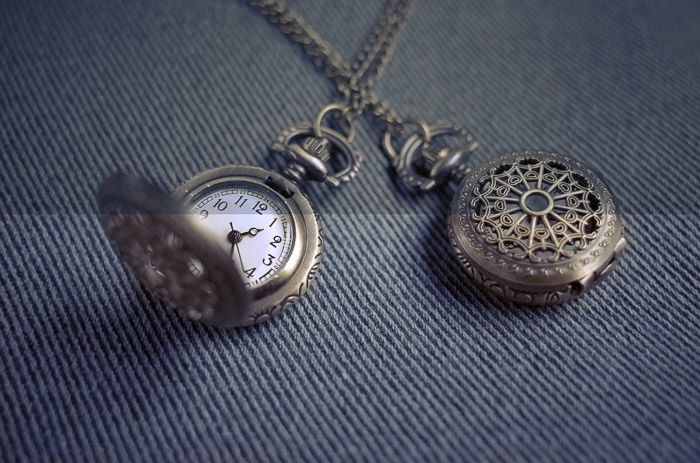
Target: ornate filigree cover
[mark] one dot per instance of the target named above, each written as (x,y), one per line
(534,226)
(159,241)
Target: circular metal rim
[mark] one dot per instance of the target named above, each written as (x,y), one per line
(292,281)
(471,247)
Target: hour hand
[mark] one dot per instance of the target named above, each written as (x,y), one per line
(252,232)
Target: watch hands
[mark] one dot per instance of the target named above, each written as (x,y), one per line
(252,232)
(235,237)
(233,245)
(240,259)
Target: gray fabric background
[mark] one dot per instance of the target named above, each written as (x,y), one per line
(394,355)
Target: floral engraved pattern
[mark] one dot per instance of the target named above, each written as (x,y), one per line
(536,209)
(504,291)
(269,312)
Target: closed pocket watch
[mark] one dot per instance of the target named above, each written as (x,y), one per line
(233,245)
(533,227)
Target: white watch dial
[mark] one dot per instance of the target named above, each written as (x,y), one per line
(253,225)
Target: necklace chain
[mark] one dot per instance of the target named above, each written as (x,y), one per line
(355,80)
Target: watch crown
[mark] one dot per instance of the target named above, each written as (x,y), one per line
(429,157)
(308,159)
(317,147)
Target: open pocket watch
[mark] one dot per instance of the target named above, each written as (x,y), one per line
(534,227)
(233,245)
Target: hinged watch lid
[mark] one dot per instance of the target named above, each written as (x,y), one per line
(535,227)
(170,253)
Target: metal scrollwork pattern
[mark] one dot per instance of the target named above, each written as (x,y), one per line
(540,210)
(535,227)
(506,292)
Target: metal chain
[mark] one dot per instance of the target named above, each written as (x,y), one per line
(354,81)
(371,62)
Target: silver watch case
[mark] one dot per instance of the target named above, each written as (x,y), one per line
(291,282)
(158,238)
(535,227)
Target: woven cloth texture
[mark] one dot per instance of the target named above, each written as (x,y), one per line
(393,355)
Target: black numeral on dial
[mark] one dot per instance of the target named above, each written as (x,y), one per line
(220,205)
(260,207)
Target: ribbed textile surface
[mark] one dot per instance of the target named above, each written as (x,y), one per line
(393,355)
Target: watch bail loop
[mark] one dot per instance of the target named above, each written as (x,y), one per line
(319,153)
(421,162)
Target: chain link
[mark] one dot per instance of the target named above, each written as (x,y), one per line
(354,81)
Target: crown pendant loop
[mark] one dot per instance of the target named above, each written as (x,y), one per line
(423,161)
(313,150)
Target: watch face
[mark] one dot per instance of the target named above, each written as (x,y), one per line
(251,223)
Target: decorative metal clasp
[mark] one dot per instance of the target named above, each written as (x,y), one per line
(420,163)
(312,150)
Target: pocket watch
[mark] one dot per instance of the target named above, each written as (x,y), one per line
(234,245)
(534,227)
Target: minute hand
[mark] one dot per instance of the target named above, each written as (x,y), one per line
(240,259)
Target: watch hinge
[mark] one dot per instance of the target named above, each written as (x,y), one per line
(280,186)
